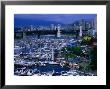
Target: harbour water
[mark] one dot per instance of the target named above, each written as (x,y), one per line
(47,69)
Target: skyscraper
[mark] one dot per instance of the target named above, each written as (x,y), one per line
(80,33)
(52,27)
(58,31)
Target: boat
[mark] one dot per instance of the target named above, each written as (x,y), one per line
(52,62)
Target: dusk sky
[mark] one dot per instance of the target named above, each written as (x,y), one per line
(61,18)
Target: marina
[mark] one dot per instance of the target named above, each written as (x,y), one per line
(56,49)
(47,69)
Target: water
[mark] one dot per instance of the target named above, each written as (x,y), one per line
(51,67)
(46,68)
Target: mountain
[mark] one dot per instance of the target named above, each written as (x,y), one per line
(25,22)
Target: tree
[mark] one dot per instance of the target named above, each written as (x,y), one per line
(93,57)
(87,40)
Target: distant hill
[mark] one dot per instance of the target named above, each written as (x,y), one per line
(25,22)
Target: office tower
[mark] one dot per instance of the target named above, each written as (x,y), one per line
(52,27)
(80,32)
(58,31)
(95,23)
(95,27)
(24,35)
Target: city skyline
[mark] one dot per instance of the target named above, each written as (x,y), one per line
(46,19)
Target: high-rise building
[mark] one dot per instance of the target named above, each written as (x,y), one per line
(93,30)
(95,23)
(58,30)
(32,28)
(52,27)
(88,25)
(80,32)
(95,27)
(24,35)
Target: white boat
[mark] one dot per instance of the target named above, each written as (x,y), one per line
(64,74)
(52,62)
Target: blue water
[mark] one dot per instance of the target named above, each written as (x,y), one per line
(50,67)
(45,69)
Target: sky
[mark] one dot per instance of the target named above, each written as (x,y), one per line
(61,18)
